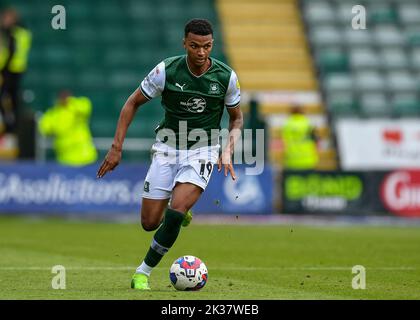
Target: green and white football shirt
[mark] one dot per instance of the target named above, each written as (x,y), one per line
(190,101)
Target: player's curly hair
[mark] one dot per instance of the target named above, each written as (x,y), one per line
(201,27)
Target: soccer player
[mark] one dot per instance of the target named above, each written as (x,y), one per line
(195,89)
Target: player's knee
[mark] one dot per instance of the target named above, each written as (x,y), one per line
(149,227)
(149,224)
(180,207)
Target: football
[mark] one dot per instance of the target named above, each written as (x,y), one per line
(188,273)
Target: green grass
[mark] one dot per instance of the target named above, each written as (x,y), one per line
(244,262)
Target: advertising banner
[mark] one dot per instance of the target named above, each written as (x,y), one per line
(400,192)
(352,192)
(51,188)
(379,144)
(249,194)
(325,192)
(58,189)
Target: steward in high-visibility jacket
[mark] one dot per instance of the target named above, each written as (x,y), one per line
(299,142)
(14,54)
(15,44)
(68,123)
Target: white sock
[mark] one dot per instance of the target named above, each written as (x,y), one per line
(145,269)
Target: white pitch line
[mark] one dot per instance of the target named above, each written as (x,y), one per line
(107,268)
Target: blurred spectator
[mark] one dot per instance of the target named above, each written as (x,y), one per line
(300,142)
(15,43)
(68,123)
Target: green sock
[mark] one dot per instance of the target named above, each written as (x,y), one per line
(164,237)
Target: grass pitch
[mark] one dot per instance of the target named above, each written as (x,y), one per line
(244,262)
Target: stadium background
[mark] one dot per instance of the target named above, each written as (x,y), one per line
(359,88)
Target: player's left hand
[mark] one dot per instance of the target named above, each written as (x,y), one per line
(225,160)
(111,160)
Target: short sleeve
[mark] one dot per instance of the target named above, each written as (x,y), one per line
(154,83)
(233,93)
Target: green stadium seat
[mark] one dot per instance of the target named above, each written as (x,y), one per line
(133,58)
(173,10)
(174,37)
(401,81)
(364,58)
(33,77)
(44,34)
(102,127)
(357,38)
(382,13)
(412,35)
(342,104)
(388,35)
(88,55)
(319,12)
(202,9)
(409,13)
(123,79)
(369,81)
(109,11)
(83,33)
(33,10)
(332,60)
(325,36)
(90,78)
(144,128)
(375,105)
(415,58)
(43,97)
(141,34)
(142,11)
(406,105)
(344,12)
(338,82)
(394,58)
(59,78)
(79,11)
(58,55)
(113,34)
(36,56)
(119,57)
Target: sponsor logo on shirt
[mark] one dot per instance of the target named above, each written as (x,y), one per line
(181,87)
(194,104)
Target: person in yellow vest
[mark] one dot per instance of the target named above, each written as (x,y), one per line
(300,142)
(15,44)
(68,123)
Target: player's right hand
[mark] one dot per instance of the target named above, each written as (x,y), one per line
(111,160)
(225,160)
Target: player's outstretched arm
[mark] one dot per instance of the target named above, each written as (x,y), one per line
(113,157)
(236,122)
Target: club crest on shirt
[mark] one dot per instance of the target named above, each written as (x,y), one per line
(214,88)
